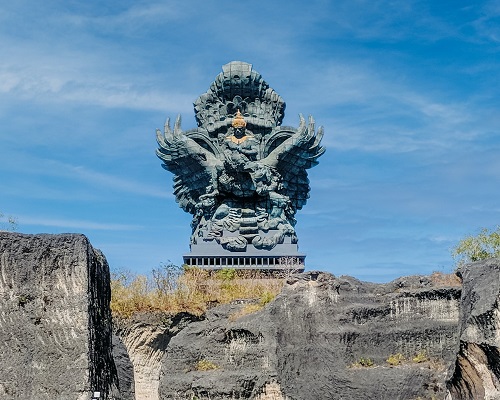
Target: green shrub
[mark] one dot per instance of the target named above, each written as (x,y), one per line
(395,359)
(266,297)
(226,274)
(485,244)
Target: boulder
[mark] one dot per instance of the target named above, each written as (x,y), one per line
(124,369)
(55,321)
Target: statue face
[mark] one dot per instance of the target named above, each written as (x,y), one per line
(239,132)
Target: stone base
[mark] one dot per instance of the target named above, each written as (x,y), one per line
(273,263)
(209,254)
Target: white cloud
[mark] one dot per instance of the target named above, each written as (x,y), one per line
(74,224)
(372,110)
(130,19)
(34,166)
(115,182)
(61,84)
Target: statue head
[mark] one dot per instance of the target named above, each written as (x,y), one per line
(239,124)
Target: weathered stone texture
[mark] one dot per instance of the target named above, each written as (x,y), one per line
(124,369)
(476,374)
(304,344)
(55,332)
(142,342)
(55,321)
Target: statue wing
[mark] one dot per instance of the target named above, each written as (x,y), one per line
(193,166)
(293,156)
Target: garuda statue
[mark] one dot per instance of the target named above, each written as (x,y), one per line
(240,173)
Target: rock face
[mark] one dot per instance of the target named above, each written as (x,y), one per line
(55,321)
(124,369)
(313,340)
(141,342)
(476,373)
(323,337)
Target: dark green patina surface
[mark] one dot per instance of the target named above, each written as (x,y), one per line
(240,173)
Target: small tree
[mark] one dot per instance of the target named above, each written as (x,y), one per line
(165,278)
(7,223)
(484,245)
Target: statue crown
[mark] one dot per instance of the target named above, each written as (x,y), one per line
(239,121)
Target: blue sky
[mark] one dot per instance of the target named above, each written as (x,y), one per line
(408,93)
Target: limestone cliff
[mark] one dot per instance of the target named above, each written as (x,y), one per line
(322,337)
(55,321)
(313,340)
(144,338)
(476,373)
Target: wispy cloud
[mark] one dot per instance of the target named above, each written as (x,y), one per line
(127,19)
(487,24)
(35,166)
(84,174)
(84,66)
(374,113)
(62,84)
(26,220)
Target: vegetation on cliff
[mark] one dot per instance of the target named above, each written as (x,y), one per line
(486,244)
(173,289)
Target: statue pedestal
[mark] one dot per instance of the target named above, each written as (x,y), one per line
(210,255)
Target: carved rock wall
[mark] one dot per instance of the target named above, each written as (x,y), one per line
(55,331)
(476,373)
(124,369)
(305,344)
(145,338)
(55,322)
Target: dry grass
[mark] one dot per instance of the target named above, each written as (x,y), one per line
(172,289)
(395,359)
(265,298)
(205,365)
(246,310)
(420,357)
(363,363)
(442,279)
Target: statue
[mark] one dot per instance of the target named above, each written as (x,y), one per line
(240,173)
